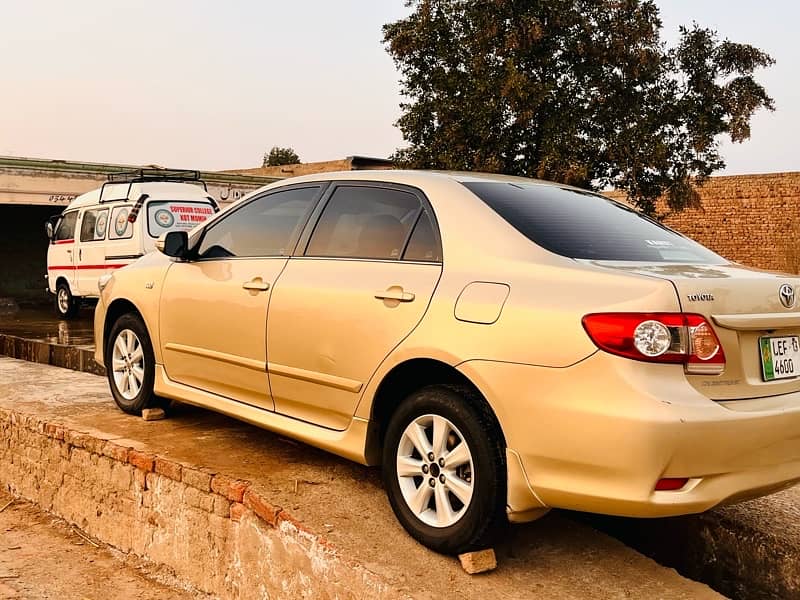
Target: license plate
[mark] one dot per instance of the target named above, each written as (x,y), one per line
(780,357)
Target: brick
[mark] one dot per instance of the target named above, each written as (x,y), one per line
(55,431)
(232,489)
(196,478)
(481,561)
(168,468)
(77,439)
(115,451)
(141,460)
(222,506)
(267,511)
(237,511)
(197,499)
(140,479)
(153,414)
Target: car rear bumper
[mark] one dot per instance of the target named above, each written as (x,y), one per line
(598,436)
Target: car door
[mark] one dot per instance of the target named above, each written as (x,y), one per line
(213,307)
(90,262)
(362,283)
(60,254)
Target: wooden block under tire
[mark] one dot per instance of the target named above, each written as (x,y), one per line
(478,562)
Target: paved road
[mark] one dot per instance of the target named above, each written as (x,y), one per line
(556,557)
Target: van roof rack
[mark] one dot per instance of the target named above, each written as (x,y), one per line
(145,175)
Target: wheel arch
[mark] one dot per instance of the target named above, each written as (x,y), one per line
(402,380)
(115,310)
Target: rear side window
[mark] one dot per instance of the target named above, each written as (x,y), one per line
(365,222)
(423,245)
(587,226)
(66,227)
(93,225)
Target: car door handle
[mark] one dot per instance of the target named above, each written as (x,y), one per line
(395,293)
(257,285)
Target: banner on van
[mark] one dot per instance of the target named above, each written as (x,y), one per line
(176,216)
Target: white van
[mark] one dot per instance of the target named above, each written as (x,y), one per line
(111,227)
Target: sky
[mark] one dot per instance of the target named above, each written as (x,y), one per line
(214,84)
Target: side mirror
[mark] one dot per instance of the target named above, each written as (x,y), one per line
(50,226)
(173,243)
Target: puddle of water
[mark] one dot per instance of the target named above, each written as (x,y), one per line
(42,324)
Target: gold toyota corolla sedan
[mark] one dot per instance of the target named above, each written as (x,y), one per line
(501,346)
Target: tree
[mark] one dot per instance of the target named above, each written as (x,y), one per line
(583,92)
(280,156)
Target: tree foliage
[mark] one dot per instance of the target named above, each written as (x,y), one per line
(280,156)
(583,92)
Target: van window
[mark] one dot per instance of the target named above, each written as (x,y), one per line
(93,225)
(66,227)
(172,215)
(121,228)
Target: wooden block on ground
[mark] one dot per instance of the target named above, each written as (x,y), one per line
(153,414)
(478,562)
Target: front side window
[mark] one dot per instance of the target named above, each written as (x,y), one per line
(266,226)
(93,225)
(66,227)
(587,226)
(365,222)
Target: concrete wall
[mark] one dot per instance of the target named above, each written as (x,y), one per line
(751,219)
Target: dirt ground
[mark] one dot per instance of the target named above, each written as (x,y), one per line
(43,557)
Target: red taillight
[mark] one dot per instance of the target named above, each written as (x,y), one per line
(659,337)
(670,484)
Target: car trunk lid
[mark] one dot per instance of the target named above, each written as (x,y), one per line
(755,315)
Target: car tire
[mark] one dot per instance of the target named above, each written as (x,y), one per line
(66,304)
(450,508)
(130,365)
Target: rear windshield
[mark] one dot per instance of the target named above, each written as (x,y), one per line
(172,215)
(587,226)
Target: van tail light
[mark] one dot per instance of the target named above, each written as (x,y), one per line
(679,338)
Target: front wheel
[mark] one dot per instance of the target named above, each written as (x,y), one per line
(130,364)
(66,304)
(444,469)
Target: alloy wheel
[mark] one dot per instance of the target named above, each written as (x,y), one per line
(435,470)
(128,364)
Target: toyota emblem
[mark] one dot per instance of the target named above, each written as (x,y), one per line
(786,293)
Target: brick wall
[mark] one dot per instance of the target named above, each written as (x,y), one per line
(751,219)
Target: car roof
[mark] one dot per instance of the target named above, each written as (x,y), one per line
(156,190)
(411,177)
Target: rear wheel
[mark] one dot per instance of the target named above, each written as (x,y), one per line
(444,469)
(130,365)
(66,303)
